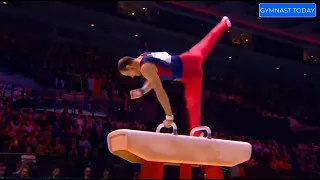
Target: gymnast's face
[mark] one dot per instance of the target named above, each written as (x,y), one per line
(131,72)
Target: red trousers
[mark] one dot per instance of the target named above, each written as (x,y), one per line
(192,75)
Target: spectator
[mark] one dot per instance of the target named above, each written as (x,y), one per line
(73,155)
(17,145)
(90,82)
(274,163)
(56,173)
(47,145)
(87,173)
(84,142)
(79,121)
(57,148)
(24,173)
(105,174)
(84,160)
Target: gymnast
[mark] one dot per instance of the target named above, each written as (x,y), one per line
(186,67)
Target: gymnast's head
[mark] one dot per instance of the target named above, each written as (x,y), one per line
(129,66)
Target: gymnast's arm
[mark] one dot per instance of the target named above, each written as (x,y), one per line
(149,71)
(146,87)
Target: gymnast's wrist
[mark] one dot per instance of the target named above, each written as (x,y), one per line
(169,118)
(143,91)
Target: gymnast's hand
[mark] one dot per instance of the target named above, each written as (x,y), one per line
(136,93)
(167,123)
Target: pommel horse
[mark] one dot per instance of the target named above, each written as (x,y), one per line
(154,149)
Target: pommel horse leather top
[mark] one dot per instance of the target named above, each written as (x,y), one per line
(137,146)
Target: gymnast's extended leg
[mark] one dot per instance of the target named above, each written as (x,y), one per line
(192,70)
(202,49)
(192,78)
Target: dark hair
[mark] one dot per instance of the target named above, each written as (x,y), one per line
(123,62)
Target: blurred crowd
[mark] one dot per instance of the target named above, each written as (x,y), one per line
(39,141)
(78,140)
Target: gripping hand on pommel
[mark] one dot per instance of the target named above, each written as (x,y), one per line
(167,123)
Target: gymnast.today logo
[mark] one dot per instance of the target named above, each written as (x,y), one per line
(287,10)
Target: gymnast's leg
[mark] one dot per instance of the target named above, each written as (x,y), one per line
(202,49)
(192,70)
(193,98)
(193,75)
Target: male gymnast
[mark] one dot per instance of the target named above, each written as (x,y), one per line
(186,67)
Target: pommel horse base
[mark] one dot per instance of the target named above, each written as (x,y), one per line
(157,148)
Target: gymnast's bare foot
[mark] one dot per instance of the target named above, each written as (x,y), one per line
(167,123)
